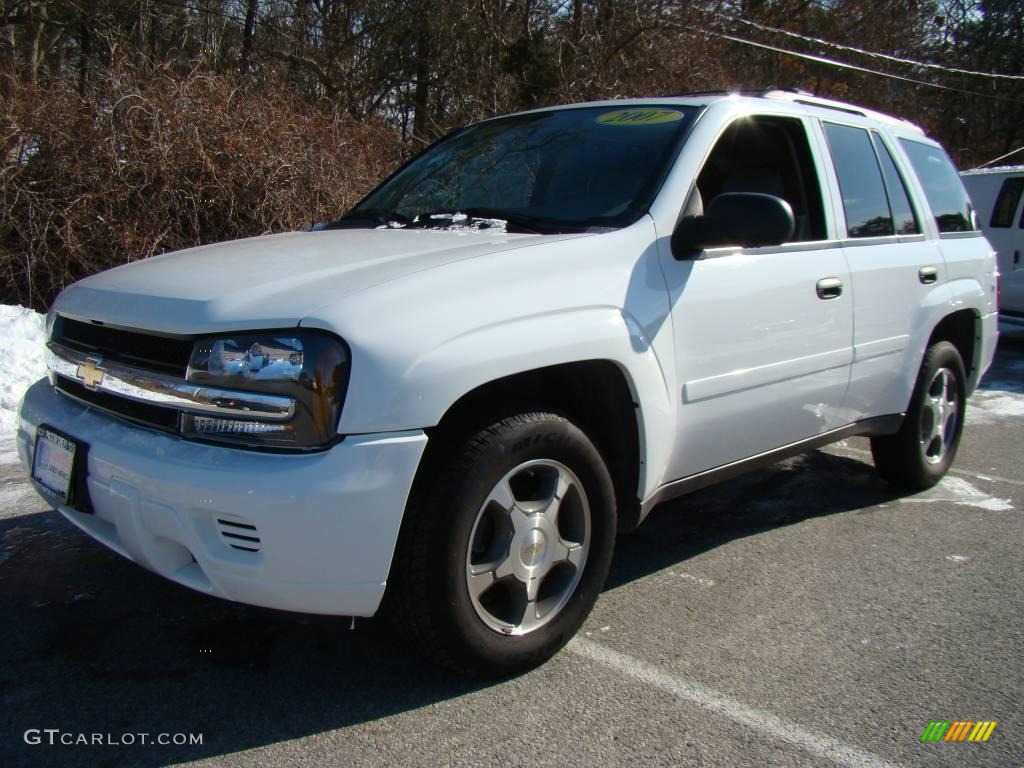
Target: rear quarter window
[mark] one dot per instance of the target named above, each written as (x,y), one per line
(903,217)
(946,195)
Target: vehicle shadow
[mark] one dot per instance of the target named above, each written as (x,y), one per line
(94,644)
(811,485)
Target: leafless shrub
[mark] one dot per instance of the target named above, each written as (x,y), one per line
(142,165)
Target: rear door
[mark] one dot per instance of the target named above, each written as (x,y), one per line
(897,271)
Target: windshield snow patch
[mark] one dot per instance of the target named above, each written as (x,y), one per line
(458,222)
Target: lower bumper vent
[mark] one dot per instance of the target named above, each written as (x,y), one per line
(239,535)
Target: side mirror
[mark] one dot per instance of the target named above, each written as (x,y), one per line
(745,219)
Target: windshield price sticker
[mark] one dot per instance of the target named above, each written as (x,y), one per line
(640,117)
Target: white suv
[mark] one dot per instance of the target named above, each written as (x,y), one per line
(449,401)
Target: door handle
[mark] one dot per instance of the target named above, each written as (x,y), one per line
(830,288)
(1016,259)
(927,275)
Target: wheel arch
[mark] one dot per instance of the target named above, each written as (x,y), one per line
(963,330)
(597,395)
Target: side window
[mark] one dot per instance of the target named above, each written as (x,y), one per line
(899,199)
(770,155)
(1006,203)
(946,195)
(860,181)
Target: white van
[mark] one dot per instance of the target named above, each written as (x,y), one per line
(997,195)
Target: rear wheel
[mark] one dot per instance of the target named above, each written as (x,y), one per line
(922,451)
(507,547)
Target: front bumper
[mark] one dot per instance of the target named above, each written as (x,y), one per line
(320,529)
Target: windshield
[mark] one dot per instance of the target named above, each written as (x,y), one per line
(564,170)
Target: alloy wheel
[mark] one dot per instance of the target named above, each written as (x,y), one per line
(528,547)
(939,416)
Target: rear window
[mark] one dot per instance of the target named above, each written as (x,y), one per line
(1006,203)
(946,195)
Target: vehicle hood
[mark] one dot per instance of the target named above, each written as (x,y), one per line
(271,281)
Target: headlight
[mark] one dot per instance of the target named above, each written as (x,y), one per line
(271,359)
(309,366)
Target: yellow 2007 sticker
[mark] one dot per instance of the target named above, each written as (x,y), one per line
(639,116)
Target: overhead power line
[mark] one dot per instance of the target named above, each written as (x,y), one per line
(1001,157)
(872,54)
(854,67)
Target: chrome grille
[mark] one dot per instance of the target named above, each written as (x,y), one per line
(165,419)
(167,354)
(153,398)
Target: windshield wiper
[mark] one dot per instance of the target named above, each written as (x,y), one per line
(480,218)
(485,218)
(369,217)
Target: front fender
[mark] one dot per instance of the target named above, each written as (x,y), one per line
(421,343)
(435,381)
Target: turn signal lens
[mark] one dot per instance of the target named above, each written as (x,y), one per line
(203,425)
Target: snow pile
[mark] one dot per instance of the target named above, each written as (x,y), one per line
(22,333)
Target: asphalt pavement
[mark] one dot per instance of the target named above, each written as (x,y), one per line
(804,615)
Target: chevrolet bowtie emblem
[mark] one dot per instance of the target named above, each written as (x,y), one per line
(90,374)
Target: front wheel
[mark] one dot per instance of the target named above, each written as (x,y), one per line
(507,547)
(922,451)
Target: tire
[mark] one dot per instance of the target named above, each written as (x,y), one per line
(506,545)
(918,456)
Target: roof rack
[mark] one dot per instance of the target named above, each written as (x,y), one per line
(808,99)
(746,91)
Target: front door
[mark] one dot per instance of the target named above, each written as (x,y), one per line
(763,336)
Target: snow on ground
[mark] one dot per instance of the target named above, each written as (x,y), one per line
(999,395)
(956,490)
(993,406)
(21,348)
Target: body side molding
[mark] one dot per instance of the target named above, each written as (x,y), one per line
(879,425)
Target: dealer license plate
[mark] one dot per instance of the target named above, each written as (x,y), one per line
(54,462)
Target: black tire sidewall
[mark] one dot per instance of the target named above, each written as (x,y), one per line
(541,436)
